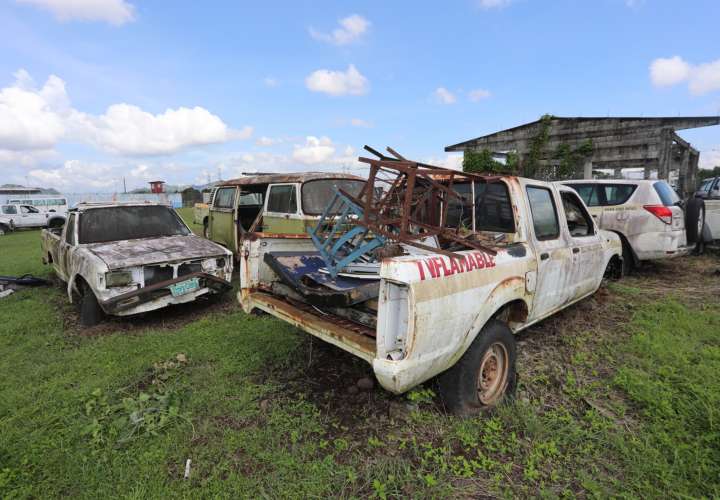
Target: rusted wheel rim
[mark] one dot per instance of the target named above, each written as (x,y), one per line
(493,374)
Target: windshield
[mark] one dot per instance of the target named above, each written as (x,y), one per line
(101,225)
(317,194)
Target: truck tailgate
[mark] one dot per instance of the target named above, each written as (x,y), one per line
(347,335)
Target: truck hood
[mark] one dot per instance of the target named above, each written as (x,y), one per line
(130,253)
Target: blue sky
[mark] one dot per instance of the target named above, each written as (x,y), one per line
(94,90)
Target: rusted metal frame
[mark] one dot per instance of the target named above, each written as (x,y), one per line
(446,233)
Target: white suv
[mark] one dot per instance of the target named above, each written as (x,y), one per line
(646,214)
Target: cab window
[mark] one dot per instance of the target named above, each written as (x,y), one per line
(9,210)
(282,199)
(577,218)
(544,214)
(224,198)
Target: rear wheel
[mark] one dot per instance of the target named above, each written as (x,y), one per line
(695,222)
(484,375)
(90,311)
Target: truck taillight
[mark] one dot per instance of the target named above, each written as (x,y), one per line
(661,212)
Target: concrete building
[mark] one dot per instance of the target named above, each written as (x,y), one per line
(617,143)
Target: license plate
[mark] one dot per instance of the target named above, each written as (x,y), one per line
(184,287)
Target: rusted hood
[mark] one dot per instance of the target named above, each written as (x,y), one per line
(129,253)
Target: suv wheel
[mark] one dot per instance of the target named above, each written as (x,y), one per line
(484,375)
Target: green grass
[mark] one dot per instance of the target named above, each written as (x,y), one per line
(626,409)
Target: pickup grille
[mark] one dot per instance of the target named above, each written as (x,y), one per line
(156,274)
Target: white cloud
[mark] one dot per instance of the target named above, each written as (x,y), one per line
(128,130)
(34,119)
(670,71)
(705,78)
(337,83)
(453,161)
(115,12)
(31,119)
(444,96)
(494,4)
(702,78)
(315,150)
(478,95)
(267,141)
(351,29)
(271,82)
(359,122)
(76,175)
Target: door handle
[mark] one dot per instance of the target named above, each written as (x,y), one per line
(544,256)
(576,250)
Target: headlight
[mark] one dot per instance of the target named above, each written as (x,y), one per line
(220,262)
(118,278)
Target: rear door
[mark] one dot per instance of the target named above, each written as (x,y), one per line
(31,216)
(585,246)
(222,217)
(553,256)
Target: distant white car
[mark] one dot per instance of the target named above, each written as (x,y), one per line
(25,216)
(646,214)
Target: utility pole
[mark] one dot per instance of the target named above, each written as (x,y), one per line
(124,186)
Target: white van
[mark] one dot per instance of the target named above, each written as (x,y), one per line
(44,203)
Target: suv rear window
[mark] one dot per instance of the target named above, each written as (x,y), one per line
(603,195)
(668,197)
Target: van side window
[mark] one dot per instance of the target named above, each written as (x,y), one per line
(588,193)
(224,198)
(578,220)
(70,230)
(544,214)
(282,199)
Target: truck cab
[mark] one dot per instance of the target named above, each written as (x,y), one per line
(271,204)
(29,216)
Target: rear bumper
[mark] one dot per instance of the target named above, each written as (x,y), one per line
(158,295)
(659,245)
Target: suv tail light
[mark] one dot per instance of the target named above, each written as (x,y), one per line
(661,212)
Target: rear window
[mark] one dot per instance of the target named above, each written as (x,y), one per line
(603,195)
(317,194)
(668,197)
(101,225)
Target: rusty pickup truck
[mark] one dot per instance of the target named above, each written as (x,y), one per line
(433,274)
(124,259)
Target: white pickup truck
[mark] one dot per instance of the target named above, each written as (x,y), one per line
(429,313)
(28,216)
(124,259)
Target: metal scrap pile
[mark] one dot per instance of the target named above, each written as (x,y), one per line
(406,206)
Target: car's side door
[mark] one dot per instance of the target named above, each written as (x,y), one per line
(68,240)
(31,216)
(282,210)
(554,261)
(221,218)
(585,246)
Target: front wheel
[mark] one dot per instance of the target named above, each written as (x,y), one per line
(484,375)
(90,311)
